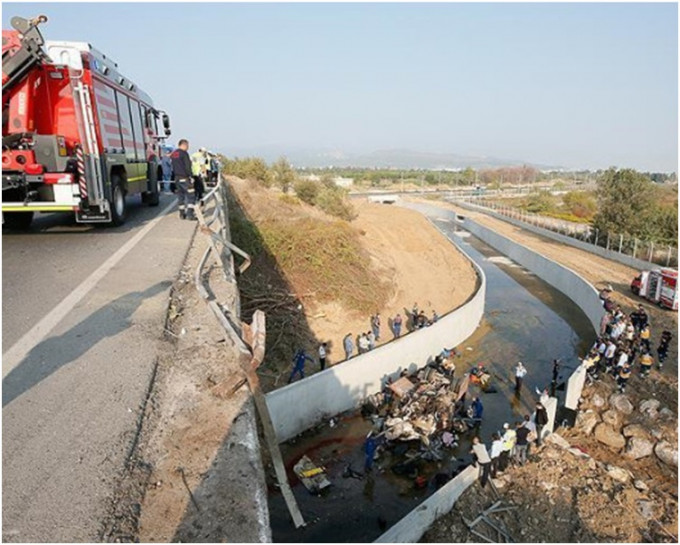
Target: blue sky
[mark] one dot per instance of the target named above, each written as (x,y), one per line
(578,85)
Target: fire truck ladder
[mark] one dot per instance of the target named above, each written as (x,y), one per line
(94,186)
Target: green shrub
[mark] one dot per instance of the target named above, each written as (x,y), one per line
(307,191)
(335,202)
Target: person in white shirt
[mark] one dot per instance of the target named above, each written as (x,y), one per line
(609,354)
(496,449)
(623,359)
(520,373)
(482,456)
(322,356)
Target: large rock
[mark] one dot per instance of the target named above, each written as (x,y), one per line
(666,453)
(597,400)
(636,430)
(619,474)
(586,421)
(613,418)
(650,407)
(604,433)
(638,447)
(666,413)
(557,440)
(621,403)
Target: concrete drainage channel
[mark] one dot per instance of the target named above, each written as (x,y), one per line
(520,310)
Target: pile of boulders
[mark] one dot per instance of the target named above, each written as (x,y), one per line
(635,432)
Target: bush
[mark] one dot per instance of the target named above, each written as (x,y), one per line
(249,168)
(307,191)
(581,204)
(334,202)
(541,202)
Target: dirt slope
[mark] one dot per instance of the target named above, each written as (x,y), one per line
(409,260)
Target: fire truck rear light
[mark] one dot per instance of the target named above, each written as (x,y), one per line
(58,178)
(34,169)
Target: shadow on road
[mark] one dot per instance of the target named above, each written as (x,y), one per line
(55,352)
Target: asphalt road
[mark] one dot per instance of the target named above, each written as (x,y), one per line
(70,406)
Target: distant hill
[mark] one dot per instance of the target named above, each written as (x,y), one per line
(389,158)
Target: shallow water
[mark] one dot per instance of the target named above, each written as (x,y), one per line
(525,320)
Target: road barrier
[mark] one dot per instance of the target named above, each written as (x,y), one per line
(620,248)
(299,406)
(247,339)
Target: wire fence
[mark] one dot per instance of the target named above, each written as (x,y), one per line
(662,254)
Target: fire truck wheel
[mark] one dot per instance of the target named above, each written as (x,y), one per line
(118,204)
(19,221)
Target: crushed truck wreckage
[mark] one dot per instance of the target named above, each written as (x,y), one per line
(420,414)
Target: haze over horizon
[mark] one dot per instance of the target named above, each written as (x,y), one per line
(573,85)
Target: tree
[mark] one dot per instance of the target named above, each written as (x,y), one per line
(625,200)
(283,173)
(468,176)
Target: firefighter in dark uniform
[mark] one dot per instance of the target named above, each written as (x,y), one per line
(181,166)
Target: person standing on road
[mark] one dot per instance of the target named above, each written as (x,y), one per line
(181,166)
(482,458)
(166,168)
(299,368)
(198,172)
(348,345)
(396,325)
(540,419)
(370,446)
(322,356)
(645,334)
(520,373)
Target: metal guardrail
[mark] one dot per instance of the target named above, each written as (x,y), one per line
(248,339)
(664,255)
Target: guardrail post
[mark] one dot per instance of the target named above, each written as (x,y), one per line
(634,247)
(607,241)
(597,236)
(668,257)
(620,243)
(651,251)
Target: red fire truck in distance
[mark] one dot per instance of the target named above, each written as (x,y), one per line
(77,135)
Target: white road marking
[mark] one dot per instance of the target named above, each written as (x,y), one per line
(20,349)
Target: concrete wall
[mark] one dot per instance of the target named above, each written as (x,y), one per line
(560,277)
(298,406)
(575,387)
(412,527)
(602,252)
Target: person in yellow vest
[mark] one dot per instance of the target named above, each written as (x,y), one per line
(624,375)
(198,172)
(646,362)
(645,333)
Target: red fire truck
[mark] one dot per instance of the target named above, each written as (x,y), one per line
(77,135)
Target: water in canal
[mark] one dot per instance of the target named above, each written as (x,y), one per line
(525,320)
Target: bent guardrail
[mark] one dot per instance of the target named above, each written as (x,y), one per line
(248,339)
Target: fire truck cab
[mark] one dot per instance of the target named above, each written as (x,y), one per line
(78,136)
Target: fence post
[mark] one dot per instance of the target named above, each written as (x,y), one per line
(668,257)
(607,241)
(651,251)
(620,243)
(634,247)
(597,236)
